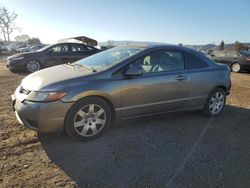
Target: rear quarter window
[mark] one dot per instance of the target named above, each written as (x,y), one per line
(194,62)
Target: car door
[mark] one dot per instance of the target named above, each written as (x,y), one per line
(164,85)
(219,57)
(58,54)
(201,77)
(233,56)
(230,57)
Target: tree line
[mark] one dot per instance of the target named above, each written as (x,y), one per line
(236,46)
(27,40)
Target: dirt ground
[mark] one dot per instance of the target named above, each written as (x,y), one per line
(171,150)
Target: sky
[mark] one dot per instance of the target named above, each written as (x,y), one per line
(170,21)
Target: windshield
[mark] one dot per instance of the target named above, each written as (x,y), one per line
(108,58)
(245,53)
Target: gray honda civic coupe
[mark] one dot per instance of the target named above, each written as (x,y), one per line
(85,97)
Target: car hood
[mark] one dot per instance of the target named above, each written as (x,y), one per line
(56,78)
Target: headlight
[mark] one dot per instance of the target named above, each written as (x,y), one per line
(45,96)
(16,58)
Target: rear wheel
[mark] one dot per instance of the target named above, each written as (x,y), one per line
(88,118)
(215,102)
(32,66)
(235,67)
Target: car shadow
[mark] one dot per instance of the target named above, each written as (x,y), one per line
(21,73)
(244,72)
(171,150)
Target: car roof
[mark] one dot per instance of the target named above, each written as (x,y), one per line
(174,47)
(147,46)
(51,45)
(74,43)
(70,43)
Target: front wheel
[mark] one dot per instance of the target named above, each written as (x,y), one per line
(88,118)
(215,102)
(32,66)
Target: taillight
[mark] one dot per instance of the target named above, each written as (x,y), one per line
(248,59)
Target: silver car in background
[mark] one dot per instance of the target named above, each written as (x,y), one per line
(85,97)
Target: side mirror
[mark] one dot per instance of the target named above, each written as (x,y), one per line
(134,71)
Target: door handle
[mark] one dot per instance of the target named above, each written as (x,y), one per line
(181,77)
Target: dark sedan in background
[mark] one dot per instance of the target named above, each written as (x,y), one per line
(52,55)
(237,60)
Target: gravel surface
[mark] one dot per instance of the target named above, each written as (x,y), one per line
(171,150)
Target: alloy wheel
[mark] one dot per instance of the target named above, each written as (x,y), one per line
(33,66)
(216,103)
(89,120)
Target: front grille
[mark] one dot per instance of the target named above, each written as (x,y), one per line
(25,91)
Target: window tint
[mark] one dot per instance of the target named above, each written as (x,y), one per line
(60,48)
(161,61)
(78,47)
(194,62)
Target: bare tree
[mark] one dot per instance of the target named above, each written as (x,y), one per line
(2,26)
(7,24)
(2,31)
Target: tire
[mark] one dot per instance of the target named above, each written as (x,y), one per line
(235,67)
(32,66)
(215,102)
(85,124)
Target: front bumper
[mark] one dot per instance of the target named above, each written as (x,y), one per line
(43,117)
(15,66)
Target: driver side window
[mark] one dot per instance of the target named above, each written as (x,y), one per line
(161,61)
